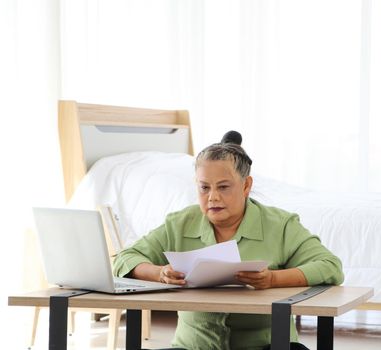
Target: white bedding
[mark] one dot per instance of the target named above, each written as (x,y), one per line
(142,187)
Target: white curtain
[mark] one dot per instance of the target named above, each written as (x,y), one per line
(299,78)
(29,152)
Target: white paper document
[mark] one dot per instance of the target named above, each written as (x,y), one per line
(212,266)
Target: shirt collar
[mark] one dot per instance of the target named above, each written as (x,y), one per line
(250,227)
(251,224)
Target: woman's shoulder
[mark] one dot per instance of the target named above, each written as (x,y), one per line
(192,211)
(273,213)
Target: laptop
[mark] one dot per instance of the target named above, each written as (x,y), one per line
(75,255)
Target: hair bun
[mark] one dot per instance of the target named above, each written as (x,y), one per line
(232,137)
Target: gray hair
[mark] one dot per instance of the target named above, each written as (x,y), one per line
(227,151)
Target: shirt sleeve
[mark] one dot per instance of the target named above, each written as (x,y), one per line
(148,249)
(305,251)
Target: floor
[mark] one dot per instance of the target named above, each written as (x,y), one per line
(355,330)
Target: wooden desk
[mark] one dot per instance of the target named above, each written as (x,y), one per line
(332,302)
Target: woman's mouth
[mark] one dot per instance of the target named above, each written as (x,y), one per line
(215,209)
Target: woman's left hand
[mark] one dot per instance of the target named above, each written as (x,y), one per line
(258,280)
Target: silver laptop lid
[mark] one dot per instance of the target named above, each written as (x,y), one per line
(74,248)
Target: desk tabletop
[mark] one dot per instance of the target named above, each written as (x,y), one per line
(332,302)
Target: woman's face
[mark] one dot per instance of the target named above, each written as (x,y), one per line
(222,192)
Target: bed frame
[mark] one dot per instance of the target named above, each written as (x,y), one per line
(89,132)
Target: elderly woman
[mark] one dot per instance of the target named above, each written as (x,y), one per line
(225,212)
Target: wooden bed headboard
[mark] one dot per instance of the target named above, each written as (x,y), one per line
(88,132)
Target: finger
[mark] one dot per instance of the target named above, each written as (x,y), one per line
(246,280)
(252,281)
(170,272)
(176,274)
(254,284)
(164,274)
(175,281)
(175,277)
(251,274)
(245,277)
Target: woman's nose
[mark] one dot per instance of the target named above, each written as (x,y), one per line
(213,195)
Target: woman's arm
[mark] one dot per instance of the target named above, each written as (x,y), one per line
(148,250)
(305,251)
(292,277)
(164,274)
(147,272)
(145,260)
(304,259)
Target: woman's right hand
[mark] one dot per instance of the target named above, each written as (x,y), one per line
(168,275)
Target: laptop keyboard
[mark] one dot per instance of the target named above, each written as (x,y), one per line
(121,285)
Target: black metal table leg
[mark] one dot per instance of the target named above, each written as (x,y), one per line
(58,323)
(325,333)
(58,306)
(133,329)
(280,319)
(280,326)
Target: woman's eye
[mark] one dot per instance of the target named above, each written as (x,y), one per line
(204,188)
(223,187)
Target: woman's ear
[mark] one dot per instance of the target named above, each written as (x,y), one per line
(247,186)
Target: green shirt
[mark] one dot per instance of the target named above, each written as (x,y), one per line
(265,233)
